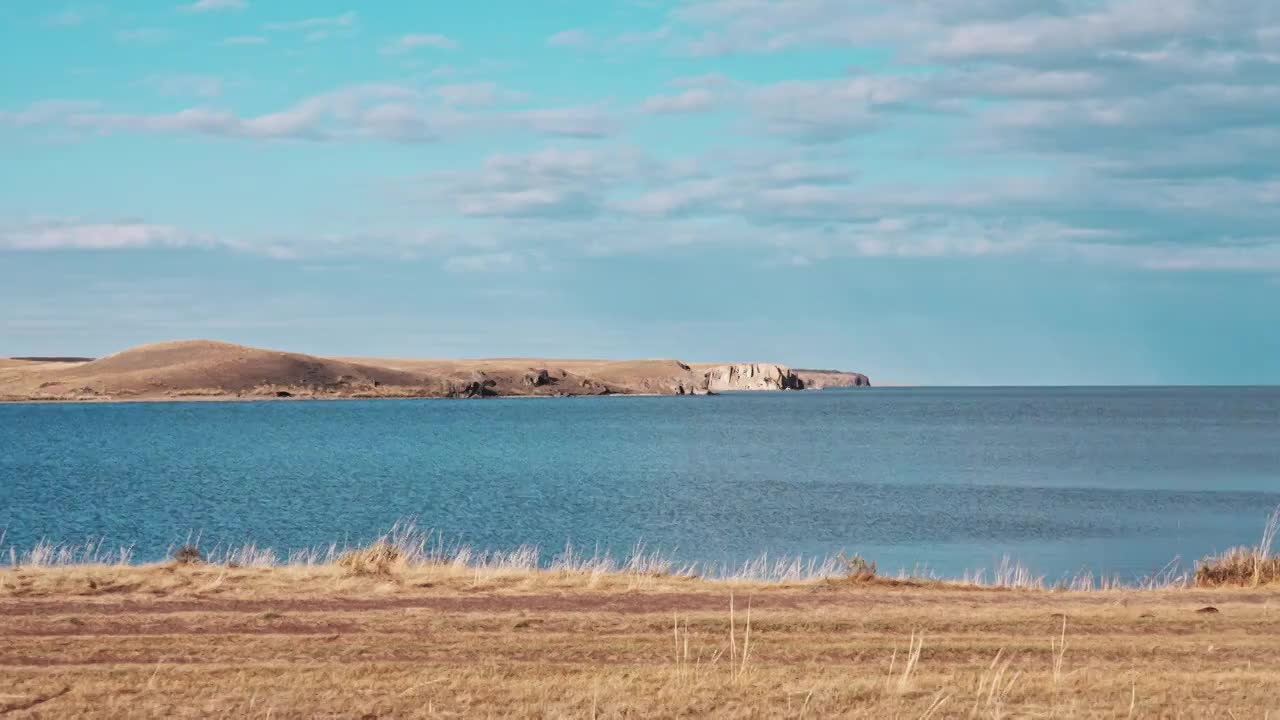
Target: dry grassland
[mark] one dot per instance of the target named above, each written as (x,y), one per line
(199,640)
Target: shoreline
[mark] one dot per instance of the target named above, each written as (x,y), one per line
(309,398)
(213,370)
(405,626)
(407,548)
(344,398)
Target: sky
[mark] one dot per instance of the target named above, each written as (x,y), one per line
(984,192)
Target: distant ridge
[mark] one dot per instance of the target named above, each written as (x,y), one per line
(820,379)
(211,369)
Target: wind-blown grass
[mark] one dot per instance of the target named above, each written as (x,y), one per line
(406,547)
(49,554)
(1244,566)
(409,625)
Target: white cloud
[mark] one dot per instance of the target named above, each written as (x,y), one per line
(1269,37)
(482,94)
(52,234)
(706,81)
(409,43)
(350,112)
(585,122)
(1253,258)
(554,183)
(485,262)
(77,234)
(531,202)
(397,121)
(1261,257)
(1137,132)
(830,110)
(645,37)
(46,112)
(697,197)
(345,20)
(568,39)
(245,40)
(359,112)
(990,29)
(142,36)
(204,6)
(69,17)
(811,204)
(203,86)
(690,101)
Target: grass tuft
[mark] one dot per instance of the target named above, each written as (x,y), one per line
(857,569)
(1244,566)
(377,559)
(46,554)
(187,555)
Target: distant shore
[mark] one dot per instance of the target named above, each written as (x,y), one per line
(204,370)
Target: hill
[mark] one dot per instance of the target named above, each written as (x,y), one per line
(218,370)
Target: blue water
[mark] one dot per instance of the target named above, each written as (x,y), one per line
(1113,480)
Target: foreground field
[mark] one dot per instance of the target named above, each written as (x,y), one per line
(188,640)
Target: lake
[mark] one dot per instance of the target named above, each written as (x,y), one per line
(1113,480)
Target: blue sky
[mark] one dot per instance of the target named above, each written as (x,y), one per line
(935,191)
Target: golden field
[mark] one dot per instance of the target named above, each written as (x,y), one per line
(369,634)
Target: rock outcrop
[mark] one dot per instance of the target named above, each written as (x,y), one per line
(820,379)
(537,378)
(479,386)
(752,377)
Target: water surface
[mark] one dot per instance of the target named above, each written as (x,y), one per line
(1115,480)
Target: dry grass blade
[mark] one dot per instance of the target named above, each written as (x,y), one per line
(684,670)
(807,697)
(935,706)
(733,641)
(993,688)
(1059,647)
(738,662)
(32,702)
(902,684)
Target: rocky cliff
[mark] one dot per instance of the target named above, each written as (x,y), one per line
(752,376)
(819,379)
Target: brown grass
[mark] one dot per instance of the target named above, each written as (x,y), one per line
(408,628)
(1241,567)
(204,640)
(1244,566)
(377,559)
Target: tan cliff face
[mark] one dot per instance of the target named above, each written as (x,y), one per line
(752,377)
(202,369)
